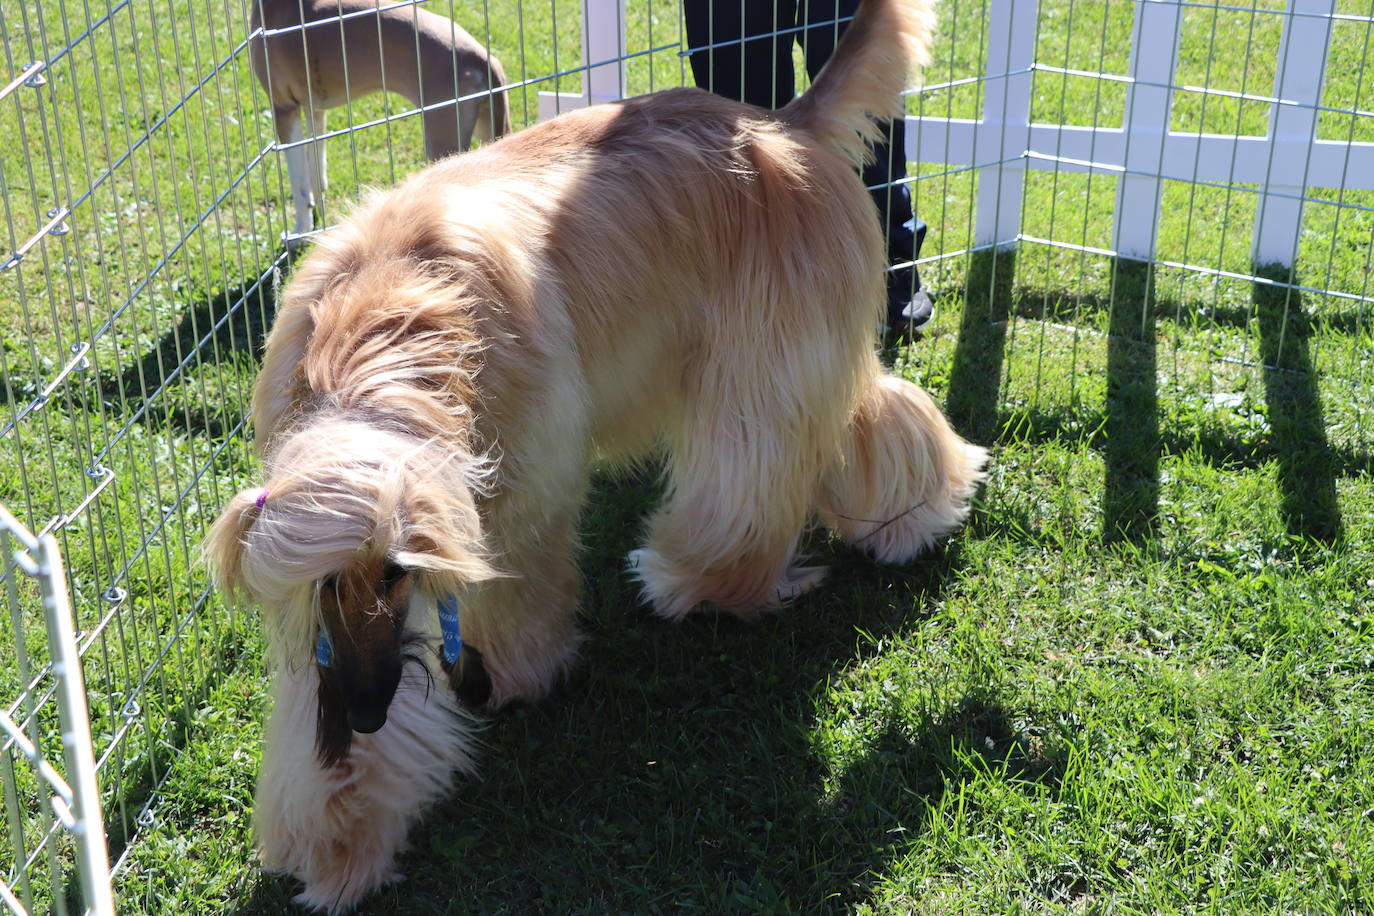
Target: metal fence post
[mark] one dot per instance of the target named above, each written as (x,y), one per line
(78,751)
(76,799)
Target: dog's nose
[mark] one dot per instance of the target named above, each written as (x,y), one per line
(366,721)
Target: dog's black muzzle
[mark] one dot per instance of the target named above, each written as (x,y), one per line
(366,700)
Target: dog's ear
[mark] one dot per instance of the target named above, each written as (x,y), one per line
(468,677)
(223,546)
(333,736)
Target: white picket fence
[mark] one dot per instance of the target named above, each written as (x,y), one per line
(1143,152)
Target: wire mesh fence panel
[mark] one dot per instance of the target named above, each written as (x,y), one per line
(147,196)
(1149,237)
(142,239)
(1185,268)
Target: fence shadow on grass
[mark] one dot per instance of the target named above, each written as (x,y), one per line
(1128,430)
(1131,447)
(154,388)
(1219,448)
(881,801)
(976,376)
(1078,307)
(680,769)
(1296,420)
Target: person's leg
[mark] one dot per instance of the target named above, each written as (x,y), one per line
(908,305)
(757,70)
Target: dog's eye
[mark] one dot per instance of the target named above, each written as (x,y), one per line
(391,574)
(329,584)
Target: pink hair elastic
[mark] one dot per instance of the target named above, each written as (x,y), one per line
(262,498)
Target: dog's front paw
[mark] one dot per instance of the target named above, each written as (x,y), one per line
(798,581)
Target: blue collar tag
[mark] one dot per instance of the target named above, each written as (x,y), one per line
(448,624)
(324,652)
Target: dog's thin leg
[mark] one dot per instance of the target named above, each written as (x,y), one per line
(474,122)
(525,626)
(319,168)
(441,131)
(524,621)
(288,124)
(338,829)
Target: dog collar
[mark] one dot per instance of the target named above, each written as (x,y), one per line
(448,626)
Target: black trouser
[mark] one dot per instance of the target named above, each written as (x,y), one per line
(743,59)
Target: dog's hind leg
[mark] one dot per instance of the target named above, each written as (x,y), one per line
(483,130)
(742,472)
(447,128)
(319,165)
(338,829)
(491,115)
(298,167)
(442,136)
(468,126)
(905,478)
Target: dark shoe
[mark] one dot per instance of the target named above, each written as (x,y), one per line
(915,317)
(919,311)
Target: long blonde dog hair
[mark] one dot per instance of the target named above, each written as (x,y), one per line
(677,274)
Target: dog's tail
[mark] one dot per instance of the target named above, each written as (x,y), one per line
(862,82)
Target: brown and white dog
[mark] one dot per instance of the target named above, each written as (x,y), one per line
(675,274)
(333,52)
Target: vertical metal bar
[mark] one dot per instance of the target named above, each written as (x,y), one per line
(1192,202)
(1360,370)
(557,80)
(1050,254)
(347,105)
(15,823)
(1230,191)
(524,62)
(1087,209)
(491,100)
(649,20)
(13,817)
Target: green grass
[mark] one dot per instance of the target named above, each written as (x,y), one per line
(1139,681)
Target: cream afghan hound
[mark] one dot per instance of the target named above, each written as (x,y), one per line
(676,274)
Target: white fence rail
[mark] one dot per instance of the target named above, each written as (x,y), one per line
(1144,152)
